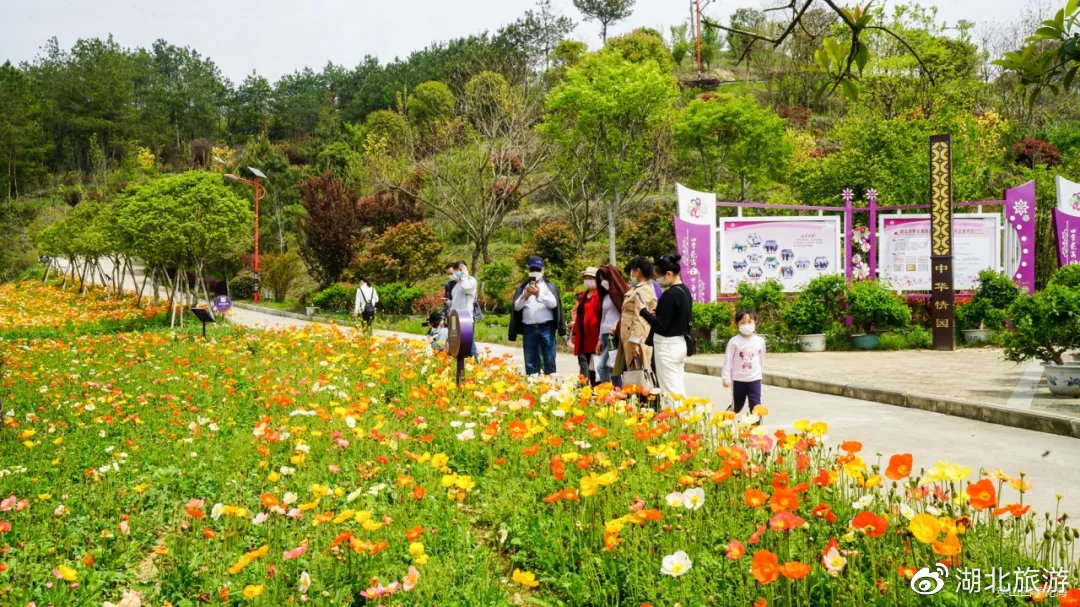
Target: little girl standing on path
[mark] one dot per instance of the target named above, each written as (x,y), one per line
(744,360)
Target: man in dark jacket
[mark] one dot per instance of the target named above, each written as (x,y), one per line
(537,317)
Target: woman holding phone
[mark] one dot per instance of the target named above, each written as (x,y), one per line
(633,329)
(670,322)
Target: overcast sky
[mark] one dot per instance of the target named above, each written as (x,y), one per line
(279,36)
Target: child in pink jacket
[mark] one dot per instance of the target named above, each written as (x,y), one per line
(744,360)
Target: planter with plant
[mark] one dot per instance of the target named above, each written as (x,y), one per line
(808,318)
(986,312)
(874,310)
(1046,326)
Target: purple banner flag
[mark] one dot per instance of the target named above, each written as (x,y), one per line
(693,242)
(1067,221)
(1020,213)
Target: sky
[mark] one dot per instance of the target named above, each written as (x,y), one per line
(276,37)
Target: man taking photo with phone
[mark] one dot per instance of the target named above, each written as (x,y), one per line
(537,317)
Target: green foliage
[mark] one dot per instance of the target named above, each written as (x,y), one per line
(495,278)
(1067,276)
(874,308)
(1051,56)
(486,95)
(917,337)
(995,293)
(649,232)
(555,244)
(337,297)
(242,286)
(605,12)
(280,271)
(711,316)
(830,290)
(407,253)
(806,315)
(388,125)
(429,102)
(732,140)
(767,300)
(640,46)
(1045,325)
(398,298)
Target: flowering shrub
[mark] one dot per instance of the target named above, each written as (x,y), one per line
(308,465)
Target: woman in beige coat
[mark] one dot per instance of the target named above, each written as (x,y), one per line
(633,329)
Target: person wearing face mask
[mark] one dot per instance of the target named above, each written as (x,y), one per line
(743,361)
(585,323)
(670,327)
(633,352)
(612,290)
(463,295)
(537,317)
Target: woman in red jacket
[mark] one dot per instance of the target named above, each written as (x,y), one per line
(586,327)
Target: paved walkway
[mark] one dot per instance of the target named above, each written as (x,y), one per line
(972,374)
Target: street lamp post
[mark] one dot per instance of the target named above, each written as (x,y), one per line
(260,193)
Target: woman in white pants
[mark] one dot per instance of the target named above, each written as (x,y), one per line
(670,326)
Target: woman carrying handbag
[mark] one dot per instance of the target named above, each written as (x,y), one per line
(670,322)
(634,360)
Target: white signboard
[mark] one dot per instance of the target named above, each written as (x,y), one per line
(904,249)
(792,250)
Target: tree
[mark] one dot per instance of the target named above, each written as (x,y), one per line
(296,104)
(640,46)
(1050,57)
(248,108)
(329,237)
(649,232)
(407,252)
(429,103)
(281,271)
(479,171)
(732,136)
(605,12)
(537,33)
(611,120)
(22,140)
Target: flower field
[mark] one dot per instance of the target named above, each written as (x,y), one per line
(283,467)
(33,309)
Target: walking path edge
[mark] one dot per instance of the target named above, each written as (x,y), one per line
(994,414)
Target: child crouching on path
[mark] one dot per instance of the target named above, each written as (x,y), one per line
(744,361)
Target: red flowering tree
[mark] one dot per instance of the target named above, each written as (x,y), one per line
(331,229)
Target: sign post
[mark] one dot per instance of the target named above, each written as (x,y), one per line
(942,301)
(459,342)
(222,303)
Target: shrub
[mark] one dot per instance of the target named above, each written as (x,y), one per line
(831,291)
(495,278)
(806,315)
(1045,325)
(242,286)
(337,297)
(875,308)
(426,304)
(407,252)
(1068,276)
(712,321)
(766,299)
(398,298)
(995,294)
(1030,152)
(554,243)
(282,270)
(650,232)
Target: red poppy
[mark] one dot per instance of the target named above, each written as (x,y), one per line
(874,525)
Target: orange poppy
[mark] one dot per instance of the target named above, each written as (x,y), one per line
(754,498)
(795,570)
(268,500)
(418,492)
(982,494)
(784,499)
(785,521)
(761,602)
(899,466)
(874,524)
(949,547)
(765,567)
(851,446)
(823,478)
(415,532)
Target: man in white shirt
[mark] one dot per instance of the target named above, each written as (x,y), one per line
(537,317)
(463,296)
(366,298)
